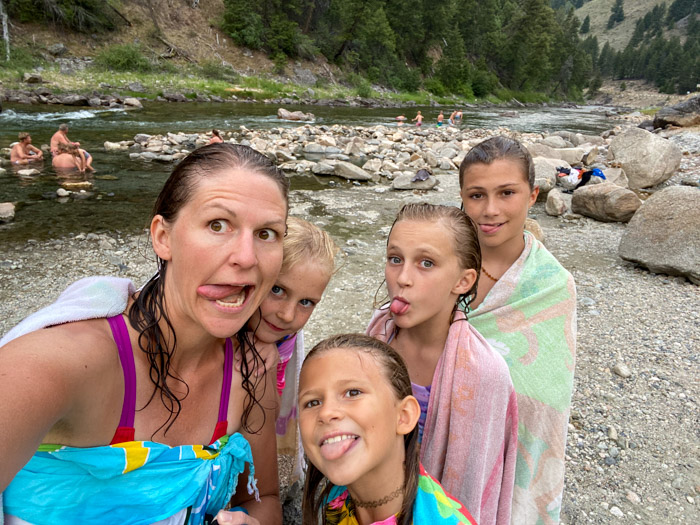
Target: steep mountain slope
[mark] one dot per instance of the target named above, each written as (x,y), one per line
(618,36)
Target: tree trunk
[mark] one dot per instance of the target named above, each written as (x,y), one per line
(5,32)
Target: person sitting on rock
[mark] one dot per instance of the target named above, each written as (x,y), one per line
(68,158)
(23,152)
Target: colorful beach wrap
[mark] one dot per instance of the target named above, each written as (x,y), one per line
(433,506)
(138,482)
(529,316)
(470,435)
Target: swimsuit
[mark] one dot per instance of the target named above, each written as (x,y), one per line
(285,347)
(125,430)
(132,481)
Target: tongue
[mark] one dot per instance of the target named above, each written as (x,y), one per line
(488,228)
(216,292)
(332,451)
(399,306)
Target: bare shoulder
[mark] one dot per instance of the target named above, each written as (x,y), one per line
(70,350)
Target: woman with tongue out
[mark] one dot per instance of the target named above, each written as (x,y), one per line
(126,407)
(468,420)
(525,307)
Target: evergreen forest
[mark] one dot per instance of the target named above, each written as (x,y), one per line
(469,48)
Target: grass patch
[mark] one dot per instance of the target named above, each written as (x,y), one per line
(649,111)
(124,58)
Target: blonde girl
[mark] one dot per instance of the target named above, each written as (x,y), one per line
(307,266)
(358,426)
(468,410)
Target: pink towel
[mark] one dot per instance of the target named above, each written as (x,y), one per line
(471,431)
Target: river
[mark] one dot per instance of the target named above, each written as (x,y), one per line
(124,190)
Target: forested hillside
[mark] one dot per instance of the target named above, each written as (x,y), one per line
(470,48)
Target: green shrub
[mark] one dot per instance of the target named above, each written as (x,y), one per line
(364,90)
(125,57)
(86,16)
(623,86)
(215,70)
(280,61)
(435,87)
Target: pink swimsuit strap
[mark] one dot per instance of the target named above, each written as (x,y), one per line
(125,431)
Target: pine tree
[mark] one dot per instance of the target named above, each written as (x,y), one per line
(586,26)
(617,14)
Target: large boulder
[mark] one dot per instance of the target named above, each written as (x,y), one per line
(558,203)
(133,102)
(647,159)
(684,114)
(349,171)
(74,100)
(546,173)
(285,114)
(605,202)
(616,176)
(664,234)
(32,78)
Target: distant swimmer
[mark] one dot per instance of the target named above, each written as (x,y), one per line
(23,152)
(457,120)
(440,119)
(400,120)
(418,119)
(215,137)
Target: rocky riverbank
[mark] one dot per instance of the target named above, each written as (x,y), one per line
(633,441)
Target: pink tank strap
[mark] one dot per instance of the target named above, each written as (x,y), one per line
(125,431)
(222,422)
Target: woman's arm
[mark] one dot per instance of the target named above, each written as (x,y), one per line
(40,381)
(264,446)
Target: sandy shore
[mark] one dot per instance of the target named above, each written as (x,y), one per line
(633,442)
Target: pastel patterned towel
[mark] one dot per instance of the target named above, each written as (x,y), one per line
(88,298)
(529,316)
(138,482)
(433,506)
(470,435)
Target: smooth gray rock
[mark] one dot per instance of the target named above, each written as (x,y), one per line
(74,100)
(349,171)
(664,234)
(647,159)
(132,102)
(32,78)
(605,202)
(7,211)
(285,114)
(546,173)
(684,114)
(557,204)
(403,182)
(57,50)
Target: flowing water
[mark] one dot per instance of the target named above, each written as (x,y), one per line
(124,190)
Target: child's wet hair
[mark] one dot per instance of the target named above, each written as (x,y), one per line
(499,148)
(307,242)
(464,235)
(394,370)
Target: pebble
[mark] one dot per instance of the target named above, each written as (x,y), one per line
(615,511)
(622,370)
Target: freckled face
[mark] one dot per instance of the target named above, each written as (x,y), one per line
(224,250)
(497,197)
(290,303)
(349,418)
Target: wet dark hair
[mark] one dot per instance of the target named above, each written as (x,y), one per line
(147,310)
(216,133)
(396,374)
(498,148)
(464,236)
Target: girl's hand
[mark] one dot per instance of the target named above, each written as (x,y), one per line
(267,351)
(226,517)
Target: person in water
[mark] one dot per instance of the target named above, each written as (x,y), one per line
(23,152)
(124,405)
(358,422)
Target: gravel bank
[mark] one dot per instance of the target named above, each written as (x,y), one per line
(634,433)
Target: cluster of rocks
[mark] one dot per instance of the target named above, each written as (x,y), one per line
(43,95)
(632,159)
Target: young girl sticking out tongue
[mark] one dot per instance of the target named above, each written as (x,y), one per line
(358,425)
(307,266)
(469,415)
